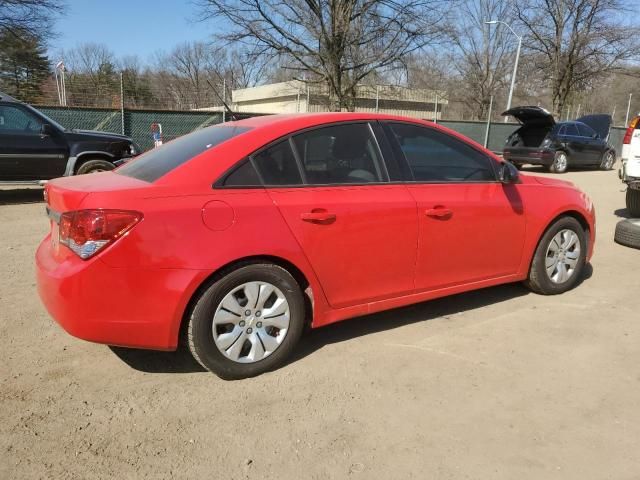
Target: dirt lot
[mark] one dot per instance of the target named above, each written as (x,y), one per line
(495,384)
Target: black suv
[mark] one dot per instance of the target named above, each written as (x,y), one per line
(33,147)
(558,146)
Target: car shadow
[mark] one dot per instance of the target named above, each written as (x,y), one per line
(420,312)
(181,361)
(153,361)
(621,213)
(20,195)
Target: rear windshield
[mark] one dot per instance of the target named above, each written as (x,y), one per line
(161,160)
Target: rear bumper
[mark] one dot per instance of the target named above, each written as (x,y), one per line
(533,156)
(130,307)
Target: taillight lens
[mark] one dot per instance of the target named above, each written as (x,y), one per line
(629,133)
(86,232)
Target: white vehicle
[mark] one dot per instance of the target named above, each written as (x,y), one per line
(630,168)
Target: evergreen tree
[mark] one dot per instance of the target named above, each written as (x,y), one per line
(24,65)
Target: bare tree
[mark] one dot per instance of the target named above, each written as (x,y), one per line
(31,17)
(190,66)
(93,79)
(336,42)
(577,41)
(485,53)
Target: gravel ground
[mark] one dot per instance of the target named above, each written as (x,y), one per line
(499,383)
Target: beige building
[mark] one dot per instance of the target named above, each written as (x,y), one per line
(298,97)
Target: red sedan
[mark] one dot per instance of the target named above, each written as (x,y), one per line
(238,235)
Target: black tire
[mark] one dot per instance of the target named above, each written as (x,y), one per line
(608,160)
(199,333)
(633,202)
(538,280)
(628,233)
(560,162)
(94,166)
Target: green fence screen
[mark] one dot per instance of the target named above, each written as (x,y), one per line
(137,124)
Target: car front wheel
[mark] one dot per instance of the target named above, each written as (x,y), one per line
(559,259)
(247,322)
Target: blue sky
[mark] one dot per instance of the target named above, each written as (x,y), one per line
(129,27)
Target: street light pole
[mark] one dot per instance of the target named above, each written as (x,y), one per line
(515,65)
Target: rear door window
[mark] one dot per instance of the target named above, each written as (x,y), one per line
(161,160)
(277,165)
(339,154)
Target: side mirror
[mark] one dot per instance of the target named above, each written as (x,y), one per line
(46,129)
(508,173)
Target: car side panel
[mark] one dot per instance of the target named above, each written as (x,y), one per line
(202,233)
(481,238)
(368,252)
(543,204)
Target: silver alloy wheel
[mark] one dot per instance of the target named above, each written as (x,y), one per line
(563,254)
(609,160)
(561,162)
(251,322)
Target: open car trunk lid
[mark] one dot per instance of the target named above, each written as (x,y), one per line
(601,123)
(531,116)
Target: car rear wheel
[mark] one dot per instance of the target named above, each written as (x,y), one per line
(559,259)
(95,166)
(247,322)
(560,163)
(608,160)
(633,202)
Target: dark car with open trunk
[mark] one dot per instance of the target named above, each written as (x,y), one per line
(558,146)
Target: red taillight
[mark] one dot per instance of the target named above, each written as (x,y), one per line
(86,232)
(629,133)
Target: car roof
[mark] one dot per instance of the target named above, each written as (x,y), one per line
(265,129)
(303,119)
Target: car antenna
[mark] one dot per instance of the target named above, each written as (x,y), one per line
(226,107)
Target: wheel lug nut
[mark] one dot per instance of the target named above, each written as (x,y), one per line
(249,330)
(258,313)
(247,312)
(242,323)
(259,325)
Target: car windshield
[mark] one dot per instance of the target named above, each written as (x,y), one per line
(46,119)
(161,160)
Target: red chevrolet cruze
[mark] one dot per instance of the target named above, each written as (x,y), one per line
(237,236)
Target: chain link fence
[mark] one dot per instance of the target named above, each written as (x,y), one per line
(171,108)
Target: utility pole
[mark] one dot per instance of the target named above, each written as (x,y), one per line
(224,99)
(122,102)
(488,129)
(515,65)
(435,112)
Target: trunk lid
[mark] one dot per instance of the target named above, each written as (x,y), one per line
(531,116)
(68,193)
(601,123)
